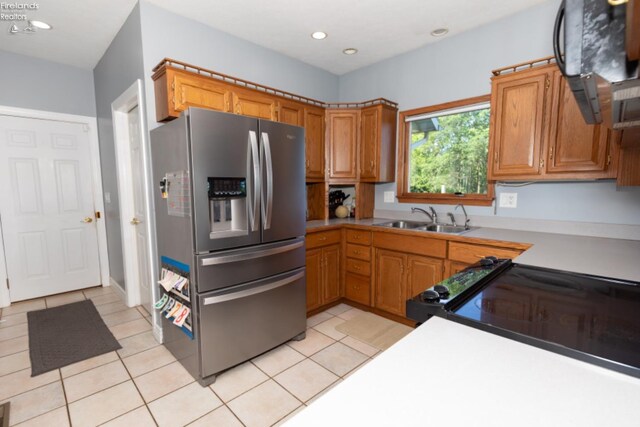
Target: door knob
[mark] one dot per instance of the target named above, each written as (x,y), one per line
(135,221)
(87,220)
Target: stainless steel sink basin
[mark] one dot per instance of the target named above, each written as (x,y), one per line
(444,228)
(407,225)
(426,226)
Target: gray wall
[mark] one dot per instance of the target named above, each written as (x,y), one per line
(38,84)
(120,66)
(165,34)
(460,67)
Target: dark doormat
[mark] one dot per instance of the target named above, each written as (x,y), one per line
(60,336)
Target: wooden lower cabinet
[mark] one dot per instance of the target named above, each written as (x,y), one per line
(390,283)
(399,276)
(323,276)
(357,288)
(456,267)
(423,272)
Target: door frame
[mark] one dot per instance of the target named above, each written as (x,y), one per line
(91,124)
(130,98)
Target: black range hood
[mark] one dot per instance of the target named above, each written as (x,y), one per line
(594,61)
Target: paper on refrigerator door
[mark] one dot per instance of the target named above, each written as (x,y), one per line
(176,308)
(181,317)
(161,302)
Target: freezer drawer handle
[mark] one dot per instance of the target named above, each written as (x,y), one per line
(258,290)
(252,255)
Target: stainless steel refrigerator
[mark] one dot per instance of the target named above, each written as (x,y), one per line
(230,218)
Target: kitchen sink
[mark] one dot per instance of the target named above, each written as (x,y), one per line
(445,228)
(426,226)
(407,225)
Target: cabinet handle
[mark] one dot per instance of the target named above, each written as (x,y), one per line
(541,163)
(356,252)
(371,165)
(238,108)
(355,267)
(495,158)
(307,163)
(322,238)
(550,153)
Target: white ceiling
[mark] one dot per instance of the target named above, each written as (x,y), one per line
(379,29)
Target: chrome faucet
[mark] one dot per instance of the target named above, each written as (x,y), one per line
(466,218)
(453,219)
(413,210)
(434,215)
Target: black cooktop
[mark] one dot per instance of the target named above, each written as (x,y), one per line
(594,319)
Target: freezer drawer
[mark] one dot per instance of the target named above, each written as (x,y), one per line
(249,320)
(228,268)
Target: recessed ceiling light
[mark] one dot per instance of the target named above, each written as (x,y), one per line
(439,32)
(350,51)
(40,24)
(319,35)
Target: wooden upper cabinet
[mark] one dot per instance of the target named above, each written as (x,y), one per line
(519,102)
(342,144)
(254,104)
(314,143)
(575,146)
(291,112)
(176,90)
(377,145)
(538,133)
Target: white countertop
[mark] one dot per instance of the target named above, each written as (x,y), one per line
(446,374)
(581,254)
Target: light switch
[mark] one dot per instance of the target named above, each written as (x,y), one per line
(107,197)
(389,197)
(508,200)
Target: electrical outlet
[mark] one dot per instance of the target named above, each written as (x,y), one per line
(389,197)
(508,200)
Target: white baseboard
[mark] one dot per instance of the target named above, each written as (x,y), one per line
(116,287)
(157,333)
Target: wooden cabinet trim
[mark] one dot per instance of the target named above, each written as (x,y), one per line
(468,253)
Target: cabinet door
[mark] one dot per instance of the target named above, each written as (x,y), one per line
(342,131)
(314,143)
(331,270)
(390,287)
(518,108)
(357,288)
(254,104)
(314,278)
(369,143)
(423,273)
(194,91)
(574,146)
(456,267)
(291,112)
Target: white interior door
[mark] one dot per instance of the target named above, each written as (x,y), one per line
(47,208)
(139,208)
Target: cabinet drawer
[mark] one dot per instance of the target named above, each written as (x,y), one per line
(464,252)
(359,252)
(359,267)
(323,238)
(358,236)
(357,288)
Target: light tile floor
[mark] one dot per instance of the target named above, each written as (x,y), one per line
(143,385)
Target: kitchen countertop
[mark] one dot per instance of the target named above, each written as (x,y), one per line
(444,373)
(599,256)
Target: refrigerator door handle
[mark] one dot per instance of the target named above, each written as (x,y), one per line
(226,259)
(254,165)
(257,290)
(267,203)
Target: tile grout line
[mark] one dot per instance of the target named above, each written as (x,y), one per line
(64,392)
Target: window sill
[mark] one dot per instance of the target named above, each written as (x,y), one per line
(447,199)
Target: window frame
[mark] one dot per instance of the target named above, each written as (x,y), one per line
(403,193)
